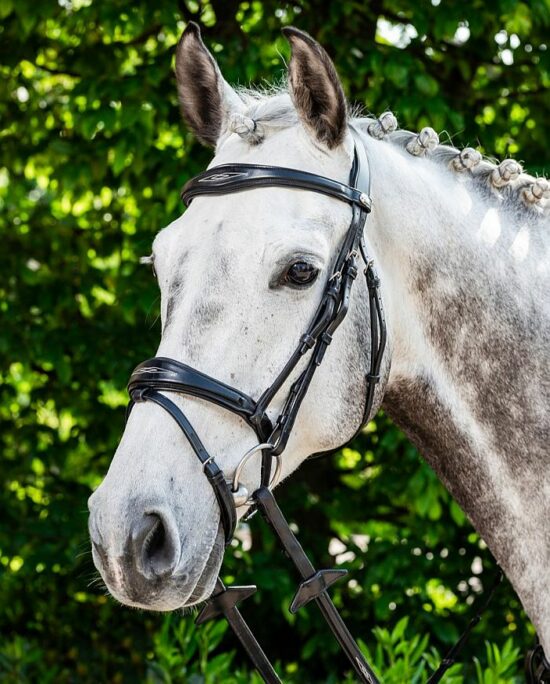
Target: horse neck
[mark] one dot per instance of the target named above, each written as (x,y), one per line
(464,290)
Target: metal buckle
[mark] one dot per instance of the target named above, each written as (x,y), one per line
(207,462)
(365,200)
(338,275)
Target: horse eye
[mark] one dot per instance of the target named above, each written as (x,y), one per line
(301,273)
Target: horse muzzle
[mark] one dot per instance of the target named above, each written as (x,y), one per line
(145,563)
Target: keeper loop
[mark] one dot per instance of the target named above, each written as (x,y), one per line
(308,341)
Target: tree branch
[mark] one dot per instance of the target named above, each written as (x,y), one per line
(57,72)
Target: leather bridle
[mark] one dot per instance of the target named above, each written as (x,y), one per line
(157,375)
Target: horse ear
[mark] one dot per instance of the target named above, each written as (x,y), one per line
(206,99)
(316,89)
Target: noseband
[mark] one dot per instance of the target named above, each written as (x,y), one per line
(155,376)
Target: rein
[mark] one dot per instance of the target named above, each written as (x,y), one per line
(152,378)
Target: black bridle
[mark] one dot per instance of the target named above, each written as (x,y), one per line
(158,375)
(153,378)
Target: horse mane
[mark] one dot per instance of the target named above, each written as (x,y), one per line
(271,107)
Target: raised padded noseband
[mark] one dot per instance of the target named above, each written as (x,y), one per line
(170,375)
(160,374)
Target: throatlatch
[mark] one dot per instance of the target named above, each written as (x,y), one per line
(152,379)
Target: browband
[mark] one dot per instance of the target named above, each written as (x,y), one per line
(228,178)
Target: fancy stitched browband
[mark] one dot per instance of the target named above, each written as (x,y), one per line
(229,178)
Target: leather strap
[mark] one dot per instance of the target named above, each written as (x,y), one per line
(537,667)
(211,469)
(228,178)
(451,656)
(378,333)
(161,373)
(362,178)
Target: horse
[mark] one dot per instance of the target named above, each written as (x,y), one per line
(461,247)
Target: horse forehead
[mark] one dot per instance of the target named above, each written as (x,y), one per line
(220,235)
(251,225)
(225,221)
(290,147)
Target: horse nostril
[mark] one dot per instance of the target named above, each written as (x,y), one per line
(155,546)
(154,541)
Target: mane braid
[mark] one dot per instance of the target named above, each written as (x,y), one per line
(271,108)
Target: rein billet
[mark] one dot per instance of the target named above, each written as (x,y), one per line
(160,374)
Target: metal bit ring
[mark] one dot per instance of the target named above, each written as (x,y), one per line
(244,460)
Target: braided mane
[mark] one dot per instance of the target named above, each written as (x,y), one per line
(272,108)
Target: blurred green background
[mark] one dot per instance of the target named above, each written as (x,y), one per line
(92,156)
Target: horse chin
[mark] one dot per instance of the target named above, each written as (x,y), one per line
(207,580)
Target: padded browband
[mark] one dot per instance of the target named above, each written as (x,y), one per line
(228,178)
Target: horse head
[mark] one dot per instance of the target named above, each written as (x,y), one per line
(241,278)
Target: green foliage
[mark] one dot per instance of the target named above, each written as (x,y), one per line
(501,664)
(183,653)
(397,659)
(92,155)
